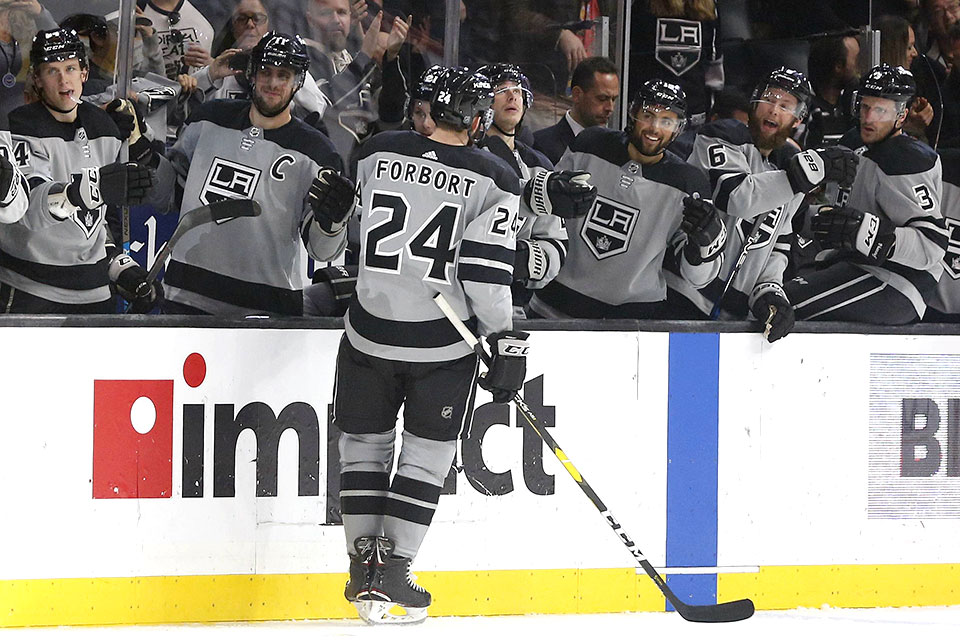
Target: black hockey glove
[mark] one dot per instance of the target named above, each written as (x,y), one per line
(870,234)
(129,119)
(120,184)
(508,365)
(332,198)
(706,233)
(530,261)
(11,181)
(809,169)
(566,194)
(130,280)
(771,307)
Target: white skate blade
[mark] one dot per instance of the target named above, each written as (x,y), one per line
(389,613)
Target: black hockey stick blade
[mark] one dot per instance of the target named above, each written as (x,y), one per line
(221,211)
(721,612)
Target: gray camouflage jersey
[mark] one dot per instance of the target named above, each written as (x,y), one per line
(247,265)
(745,185)
(435,218)
(616,254)
(66,261)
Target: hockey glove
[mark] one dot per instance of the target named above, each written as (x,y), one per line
(129,119)
(872,235)
(120,184)
(530,261)
(706,233)
(567,194)
(508,365)
(809,169)
(770,306)
(11,182)
(130,280)
(332,198)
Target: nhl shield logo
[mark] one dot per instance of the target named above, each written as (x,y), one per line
(229,180)
(608,227)
(679,44)
(951,260)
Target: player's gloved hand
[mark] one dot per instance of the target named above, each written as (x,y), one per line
(332,198)
(771,307)
(706,233)
(119,183)
(871,234)
(809,169)
(11,181)
(530,261)
(508,365)
(567,194)
(130,280)
(129,119)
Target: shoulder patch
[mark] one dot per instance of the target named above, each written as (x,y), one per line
(902,155)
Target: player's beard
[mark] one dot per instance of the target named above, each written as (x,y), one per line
(643,146)
(766,142)
(266,110)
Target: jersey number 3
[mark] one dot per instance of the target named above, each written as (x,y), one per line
(434,242)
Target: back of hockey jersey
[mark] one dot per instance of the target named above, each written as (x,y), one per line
(434,218)
(616,251)
(65,261)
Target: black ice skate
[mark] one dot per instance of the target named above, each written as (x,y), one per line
(361,568)
(392,596)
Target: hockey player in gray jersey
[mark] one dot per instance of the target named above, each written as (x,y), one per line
(14,190)
(944,306)
(883,245)
(759,179)
(253,149)
(59,257)
(650,202)
(541,240)
(438,216)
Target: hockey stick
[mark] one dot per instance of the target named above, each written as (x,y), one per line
(748,242)
(721,612)
(213,212)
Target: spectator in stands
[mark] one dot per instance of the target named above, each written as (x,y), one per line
(898,49)
(596,87)
(833,74)
(19,21)
(185,34)
(678,41)
(939,16)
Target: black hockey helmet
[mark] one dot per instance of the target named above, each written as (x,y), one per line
(56,45)
(277,49)
(423,89)
(501,72)
(887,81)
(658,93)
(791,81)
(460,96)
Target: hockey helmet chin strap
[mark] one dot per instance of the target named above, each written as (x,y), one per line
(513,133)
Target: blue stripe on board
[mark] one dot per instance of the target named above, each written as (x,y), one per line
(692,439)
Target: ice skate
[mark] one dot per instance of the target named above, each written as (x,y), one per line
(392,596)
(360,568)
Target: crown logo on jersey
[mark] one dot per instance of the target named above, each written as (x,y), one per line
(430,155)
(603,243)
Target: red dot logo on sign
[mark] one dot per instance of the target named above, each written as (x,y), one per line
(194,369)
(132,438)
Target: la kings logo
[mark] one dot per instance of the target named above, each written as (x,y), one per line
(678,44)
(951,260)
(608,227)
(767,230)
(229,180)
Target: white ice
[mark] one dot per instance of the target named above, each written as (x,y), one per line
(809,624)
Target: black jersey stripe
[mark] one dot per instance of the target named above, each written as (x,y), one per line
(484,274)
(416,489)
(727,183)
(409,512)
(362,505)
(371,480)
(577,305)
(474,249)
(425,334)
(249,295)
(79,277)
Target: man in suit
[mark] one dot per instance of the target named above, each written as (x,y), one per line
(595,89)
